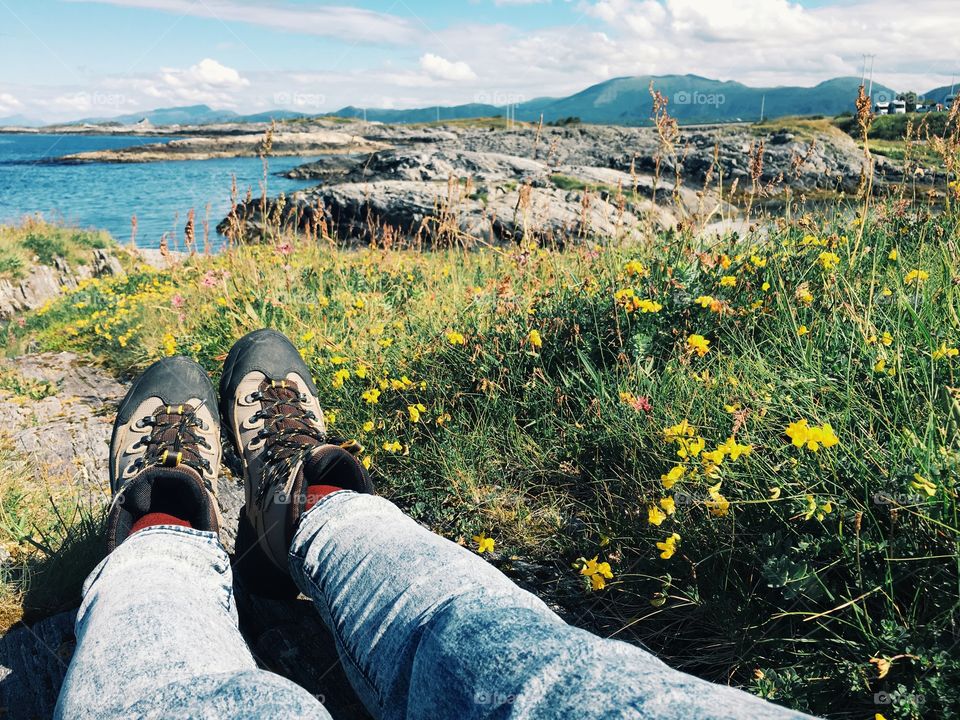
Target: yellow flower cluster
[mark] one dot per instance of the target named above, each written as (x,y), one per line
(598,572)
(628,299)
(802,434)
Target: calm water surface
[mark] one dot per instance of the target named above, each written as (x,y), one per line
(106,195)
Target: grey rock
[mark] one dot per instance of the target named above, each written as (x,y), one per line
(462,184)
(44,282)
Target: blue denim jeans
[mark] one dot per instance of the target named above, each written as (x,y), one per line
(425,629)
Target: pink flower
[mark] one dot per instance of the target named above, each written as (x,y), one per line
(642,403)
(177,301)
(285,249)
(210,279)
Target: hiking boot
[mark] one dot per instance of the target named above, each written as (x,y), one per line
(272,415)
(165,450)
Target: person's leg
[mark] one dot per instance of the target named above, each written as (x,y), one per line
(427,629)
(157,636)
(157,631)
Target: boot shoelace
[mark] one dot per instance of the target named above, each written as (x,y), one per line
(288,431)
(174,440)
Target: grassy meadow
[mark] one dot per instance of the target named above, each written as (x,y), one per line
(741,452)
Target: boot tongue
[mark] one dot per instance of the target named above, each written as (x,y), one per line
(332,465)
(178,491)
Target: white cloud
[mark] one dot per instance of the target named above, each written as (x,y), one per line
(759,42)
(342,22)
(8,103)
(207,73)
(206,82)
(440,68)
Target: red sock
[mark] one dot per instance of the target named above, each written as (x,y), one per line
(151,519)
(315,493)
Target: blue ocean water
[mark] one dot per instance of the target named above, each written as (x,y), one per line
(106,195)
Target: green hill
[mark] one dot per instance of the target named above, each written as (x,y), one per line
(627,101)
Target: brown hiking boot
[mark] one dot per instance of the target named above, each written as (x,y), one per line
(165,449)
(272,415)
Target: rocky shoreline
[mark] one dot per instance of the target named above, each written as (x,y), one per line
(309,141)
(469,184)
(477,182)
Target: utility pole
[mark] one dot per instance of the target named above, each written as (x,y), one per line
(763,105)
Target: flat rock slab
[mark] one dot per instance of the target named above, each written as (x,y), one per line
(66,436)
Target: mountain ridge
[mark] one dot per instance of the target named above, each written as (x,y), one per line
(625,100)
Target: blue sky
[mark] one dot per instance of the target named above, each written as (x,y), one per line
(63,59)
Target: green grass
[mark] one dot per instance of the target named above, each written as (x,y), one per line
(37,242)
(819,562)
(895,127)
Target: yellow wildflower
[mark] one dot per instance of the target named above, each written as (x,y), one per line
(921,483)
(368,426)
(534,339)
(455,338)
(690,448)
(728,281)
(680,430)
(734,449)
(669,546)
(598,572)
(945,352)
(636,268)
(802,330)
(698,344)
(393,447)
(718,505)
(802,434)
(648,306)
(414,412)
(915,277)
(169,345)
(484,544)
(670,478)
(893,256)
(655,515)
(828,261)
(340,377)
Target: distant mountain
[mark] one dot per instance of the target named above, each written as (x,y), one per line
(939,95)
(271,115)
(188,115)
(620,101)
(20,121)
(419,115)
(627,101)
